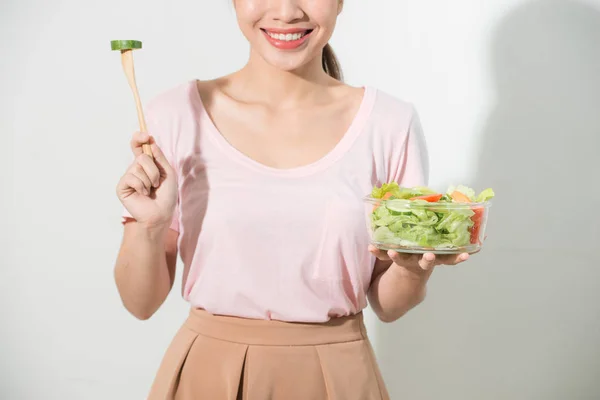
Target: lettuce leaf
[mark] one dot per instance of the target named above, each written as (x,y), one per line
(485,195)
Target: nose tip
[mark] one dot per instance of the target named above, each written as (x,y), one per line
(287,11)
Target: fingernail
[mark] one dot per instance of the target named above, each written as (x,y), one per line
(429,257)
(464,257)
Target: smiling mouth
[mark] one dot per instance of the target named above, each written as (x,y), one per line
(294,36)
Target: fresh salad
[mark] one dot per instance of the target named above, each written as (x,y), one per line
(422,217)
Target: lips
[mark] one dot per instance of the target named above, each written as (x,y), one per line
(287,39)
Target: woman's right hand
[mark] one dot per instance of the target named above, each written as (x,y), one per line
(148,190)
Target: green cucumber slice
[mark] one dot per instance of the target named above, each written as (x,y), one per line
(398,205)
(125,44)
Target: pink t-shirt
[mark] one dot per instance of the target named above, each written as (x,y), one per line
(285,244)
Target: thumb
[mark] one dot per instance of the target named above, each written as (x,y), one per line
(159,156)
(427,262)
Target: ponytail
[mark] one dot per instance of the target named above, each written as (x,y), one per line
(331,65)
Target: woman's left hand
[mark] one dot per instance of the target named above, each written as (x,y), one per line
(417,266)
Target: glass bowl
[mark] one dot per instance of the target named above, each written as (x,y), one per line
(418,226)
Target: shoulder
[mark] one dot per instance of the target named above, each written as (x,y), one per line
(392,111)
(174,101)
(399,143)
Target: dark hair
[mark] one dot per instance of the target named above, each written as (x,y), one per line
(331,65)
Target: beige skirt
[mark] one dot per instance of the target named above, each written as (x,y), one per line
(228,358)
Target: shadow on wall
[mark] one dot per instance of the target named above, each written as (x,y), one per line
(522,319)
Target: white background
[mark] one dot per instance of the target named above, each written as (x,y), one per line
(509,95)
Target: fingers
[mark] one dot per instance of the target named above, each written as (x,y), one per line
(380,254)
(452,259)
(138,171)
(149,168)
(404,259)
(161,160)
(426,261)
(158,157)
(137,140)
(146,173)
(130,181)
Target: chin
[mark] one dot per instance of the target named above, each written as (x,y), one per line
(288,64)
(287,60)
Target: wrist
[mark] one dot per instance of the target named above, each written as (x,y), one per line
(152,231)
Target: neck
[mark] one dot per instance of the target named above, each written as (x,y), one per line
(270,85)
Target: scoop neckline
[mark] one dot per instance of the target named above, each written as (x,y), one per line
(343,145)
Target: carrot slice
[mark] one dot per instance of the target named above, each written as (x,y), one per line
(460,197)
(432,198)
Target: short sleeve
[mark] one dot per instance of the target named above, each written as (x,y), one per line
(160,129)
(409,165)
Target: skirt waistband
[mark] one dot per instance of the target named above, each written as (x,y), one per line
(276,333)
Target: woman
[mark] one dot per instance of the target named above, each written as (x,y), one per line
(257,179)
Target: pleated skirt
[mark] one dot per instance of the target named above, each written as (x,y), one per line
(228,358)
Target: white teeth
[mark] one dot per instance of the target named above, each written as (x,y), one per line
(286,37)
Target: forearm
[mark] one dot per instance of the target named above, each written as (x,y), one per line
(393,293)
(141,272)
